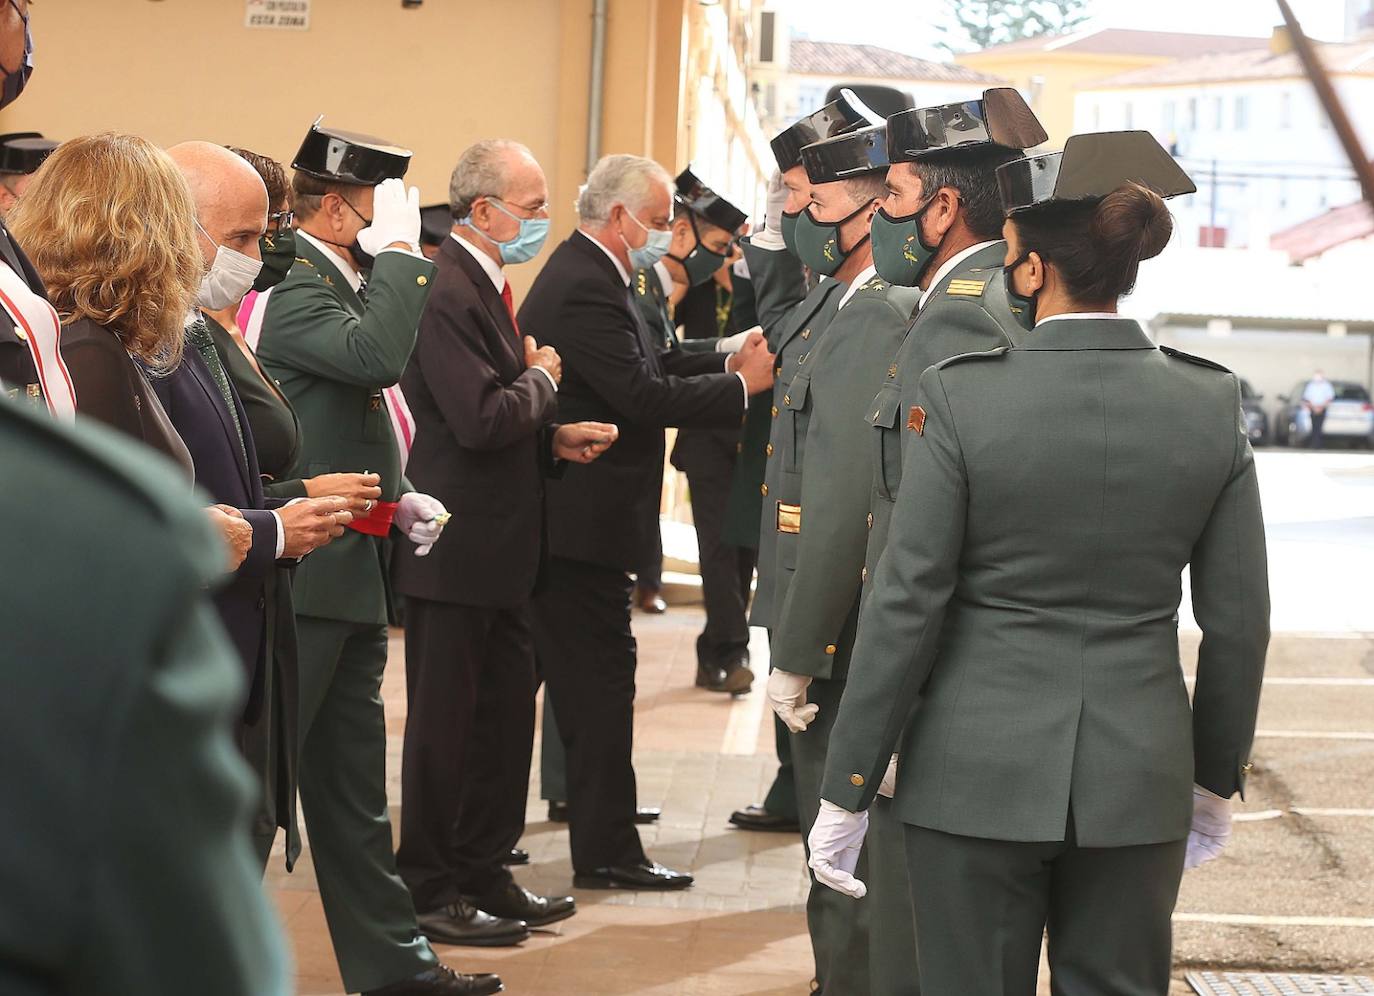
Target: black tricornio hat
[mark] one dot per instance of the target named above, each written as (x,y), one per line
(846,156)
(1001,118)
(346,157)
(22,152)
(835,118)
(705,203)
(885,100)
(1091,167)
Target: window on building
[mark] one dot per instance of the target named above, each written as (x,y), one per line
(810,98)
(1285,110)
(767,29)
(1218,117)
(1242,113)
(1097,117)
(1192,114)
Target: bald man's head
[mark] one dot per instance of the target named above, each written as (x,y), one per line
(231,199)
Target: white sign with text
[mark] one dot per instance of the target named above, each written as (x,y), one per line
(288,15)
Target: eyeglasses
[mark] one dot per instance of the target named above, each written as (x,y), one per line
(542,208)
(281,221)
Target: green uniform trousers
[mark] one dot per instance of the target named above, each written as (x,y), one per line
(982,907)
(343,796)
(781,799)
(553,758)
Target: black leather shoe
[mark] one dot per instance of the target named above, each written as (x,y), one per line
(558,813)
(442,981)
(514,902)
(646,875)
(758,818)
(711,677)
(650,601)
(463,923)
(517,856)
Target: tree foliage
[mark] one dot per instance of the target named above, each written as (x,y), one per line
(980,24)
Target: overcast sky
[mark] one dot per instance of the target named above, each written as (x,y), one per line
(906,24)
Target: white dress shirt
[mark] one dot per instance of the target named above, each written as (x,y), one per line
(948,266)
(1319,393)
(1082,316)
(498,280)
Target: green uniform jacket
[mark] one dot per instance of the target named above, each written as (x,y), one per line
(332,357)
(1029,593)
(792,341)
(124,857)
(658,314)
(966,312)
(813,632)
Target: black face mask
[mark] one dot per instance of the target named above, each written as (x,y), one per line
(1022,307)
(16,79)
(363,259)
(701,263)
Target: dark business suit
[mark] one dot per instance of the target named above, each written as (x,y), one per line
(603,518)
(482,447)
(228,473)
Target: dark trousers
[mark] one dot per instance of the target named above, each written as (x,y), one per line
(726,571)
(343,797)
(781,799)
(982,907)
(468,742)
(650,575)
(1318,422)
(588,654)
(553,759)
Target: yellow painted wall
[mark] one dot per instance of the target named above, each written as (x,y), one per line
(1063,73)
(433,78)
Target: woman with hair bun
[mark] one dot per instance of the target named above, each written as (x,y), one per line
(1055,776)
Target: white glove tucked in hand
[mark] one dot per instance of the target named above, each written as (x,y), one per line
(395,217)
(888,786)
(787,696)
(836,838)
(734,343)
(422,519)
(1211,827)
(771,236)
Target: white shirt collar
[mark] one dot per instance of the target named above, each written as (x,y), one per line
(354,278)
(1079,316)
(624,274)
(665,279)
(948,266)
(865,275)
(488,265)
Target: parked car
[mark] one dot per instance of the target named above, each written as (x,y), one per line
(1350,417)
(1256,422)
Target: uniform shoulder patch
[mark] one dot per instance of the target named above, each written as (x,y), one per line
(989,354)
(1201,361)
(966,287)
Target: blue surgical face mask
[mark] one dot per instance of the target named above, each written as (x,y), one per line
(526,243)
(655,247)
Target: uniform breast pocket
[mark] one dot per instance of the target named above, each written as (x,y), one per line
(375,420)
(794,403)
(883,416)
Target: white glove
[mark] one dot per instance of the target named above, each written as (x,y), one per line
(395,217)
(836,838)
(422,519)
(787,696)
(888,786)
(1211,827)
(771,236)
(734,343)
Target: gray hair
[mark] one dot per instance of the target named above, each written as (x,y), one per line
(622,179)
(482,171)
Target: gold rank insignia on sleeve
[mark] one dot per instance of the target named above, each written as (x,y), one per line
(789,518)
(916,420)
(966,288)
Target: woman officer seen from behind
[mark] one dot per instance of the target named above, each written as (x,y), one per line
(1055,775)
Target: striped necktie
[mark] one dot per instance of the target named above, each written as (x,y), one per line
(198,335)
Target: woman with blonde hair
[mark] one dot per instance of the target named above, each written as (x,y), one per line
(111,229)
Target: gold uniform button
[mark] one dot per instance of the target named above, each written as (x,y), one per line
(870,520)
(892,370)
(20,334)
(775,411)
(422,280)
(763,490)
(830,649)
(777,371)
(806,334)
(787,399)
(769,449)
(856,780)
(863,575)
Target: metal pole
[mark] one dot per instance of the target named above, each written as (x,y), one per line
(596,98)
(1326,93)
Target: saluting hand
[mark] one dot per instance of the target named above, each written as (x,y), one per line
(310,523)
(583,442)
(236,530)
(543,356)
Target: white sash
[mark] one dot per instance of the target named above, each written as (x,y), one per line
(36,322)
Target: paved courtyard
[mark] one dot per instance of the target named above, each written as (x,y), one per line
(1292,893)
